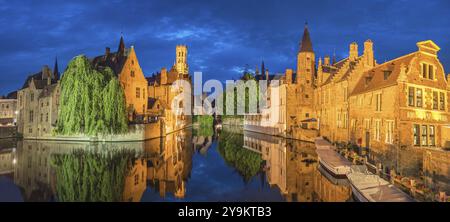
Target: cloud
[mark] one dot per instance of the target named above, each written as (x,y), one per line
(221,35)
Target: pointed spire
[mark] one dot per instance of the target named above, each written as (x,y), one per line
(55,70)
(334,57)
(121,48)
(263,69)
(306,44)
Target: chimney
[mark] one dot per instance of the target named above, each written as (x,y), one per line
(163,76)
(368,53)
(289,73)
(327,60)
(267,74)
(107,51)
(46,74)
(353,54)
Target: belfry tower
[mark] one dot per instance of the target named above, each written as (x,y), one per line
(305,60)
(181,59)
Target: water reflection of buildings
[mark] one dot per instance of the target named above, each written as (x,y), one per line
(7,160)
(169,163)
(34,173)
(292,166)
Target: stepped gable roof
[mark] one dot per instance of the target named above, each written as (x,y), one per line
(350,70)
(155,79)
(377,75)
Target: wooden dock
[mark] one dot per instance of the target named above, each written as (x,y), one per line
(368,187)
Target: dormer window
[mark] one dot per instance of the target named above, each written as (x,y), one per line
(387,73)
(427,71)
(368,79)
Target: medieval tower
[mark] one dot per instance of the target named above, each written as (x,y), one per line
(305,60)
(181,59)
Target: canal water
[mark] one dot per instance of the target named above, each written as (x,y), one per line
(189,165)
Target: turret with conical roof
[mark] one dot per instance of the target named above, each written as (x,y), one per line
(306,44)
(305,59)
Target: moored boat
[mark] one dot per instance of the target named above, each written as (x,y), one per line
(368,187)
(321,143)
(334,163)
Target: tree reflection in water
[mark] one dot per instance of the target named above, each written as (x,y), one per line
(247,163)
(89,175)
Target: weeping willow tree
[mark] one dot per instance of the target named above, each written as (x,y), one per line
(92,101)
(88,176)
(246,162)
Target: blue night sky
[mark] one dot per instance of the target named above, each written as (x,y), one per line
(222,36)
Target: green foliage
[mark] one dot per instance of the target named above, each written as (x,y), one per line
(205,125)
(246,76)
(85,176)
(91,102)
(246,162)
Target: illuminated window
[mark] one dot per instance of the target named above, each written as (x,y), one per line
(424,135)
(389,132)
(345,120)
(416,130)
(427,71)
(431,72)
(411,101)
(353,125)
(435,100)
(432,136)
(377,133)
(138,92)
(442,101)
(378,102)
(419,98)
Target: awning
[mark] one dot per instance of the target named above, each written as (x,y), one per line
(309,120)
